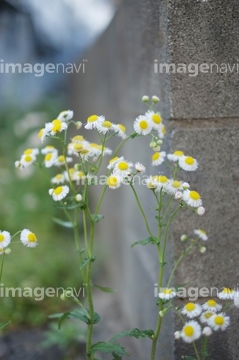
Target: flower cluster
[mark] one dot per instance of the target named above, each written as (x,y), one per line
(27,237)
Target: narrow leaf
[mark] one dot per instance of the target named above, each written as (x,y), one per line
(97,218)
(135,333)
(66,224)
(4,324)
(149,240)
(105,288)
(84,262)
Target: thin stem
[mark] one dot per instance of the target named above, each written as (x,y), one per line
(196,351)
(1,269)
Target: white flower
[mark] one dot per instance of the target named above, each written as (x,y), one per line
(5,239)
(27,160)
(212,305)
(65,115)
(139,167)
(48,149)
(219,321)
(28,238)
(161,131)
(175,156)
(33,152)
(50,159)
(62,160)
(201,234)
(155,118)
(205,316)
(226,294)
(191,331)
(93,121)
(142,125)
(56,126)
(43,133)
(188,163)
(192,198)
(167,293)
(104,127)
(174,186)
(58,179)
(201,210)
(123,168)
(120,130)
(161,182)
(113,162)
(60,192)
(192,310)
(114,181)
(158,158)
(207,331)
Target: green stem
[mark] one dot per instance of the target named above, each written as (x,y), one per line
(196,351)
(1,269)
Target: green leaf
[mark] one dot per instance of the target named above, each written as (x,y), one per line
(135,333)
(4,324)
(78,313)
(105,288)
(149,240)
(84,262)
(97,218)
(133,135)
(66,224)
(70,206)
(108,348)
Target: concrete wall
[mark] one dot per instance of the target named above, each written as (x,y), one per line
(202,113)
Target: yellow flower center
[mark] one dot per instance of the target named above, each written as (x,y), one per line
(107,124)
(122,127)
(219,320)
(28,151)
(114,159)
(208,314)
(58,190)
(167,291)
(178,153)
(78,147)
(61,158)
(176,184)
(156,118)
(84,152)
(143,125)
(48,157)
(227,291)
(28,158)
(40,133)
(92,118)
(190,306)
(1,237)
(211,303)
(189,160)
(31,237)
(77,138)
(188,330)
(112,181)
(56,125)
(123,165)
(58,176)
(194,195)
(156,156)
(164,130)
(162,179)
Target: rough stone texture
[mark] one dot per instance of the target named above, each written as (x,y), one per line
(120,70)
(204,32)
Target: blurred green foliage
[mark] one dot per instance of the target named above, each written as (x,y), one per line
(25,203)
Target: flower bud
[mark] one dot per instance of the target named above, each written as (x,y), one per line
(155,99)
(50,191)
(145,98)
(78,125)
(7,251)
(177,335)
(207,331)
(202,249)
(200,210)
(184,238)
(178,195)
(78,197)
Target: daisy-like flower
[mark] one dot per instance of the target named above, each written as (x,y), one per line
(192,310)
(174,186)
(188,163)
(56,126)
(61,160)
(28,238)
(93,121)
(175,156)
(43,133)
(201,234)
(120,130)
(139,167)
(150,183)
(27,160)
(167,293)
(114,181)
(205,316)
(192,198)
(207,331)
(65,115)
(60,192)
(219,321)
(226,294)
(161,182)
(5,239)
(48,149)
(161,131)
(58,179)
(104,127)
(212,305)
(33,152)
(113,162)
(191,331)
(70,172)
(123,168)
(50,159)
(155,118)
(143,125)
(158,158)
